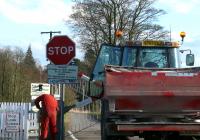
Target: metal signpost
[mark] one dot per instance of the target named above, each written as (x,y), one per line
(60,50)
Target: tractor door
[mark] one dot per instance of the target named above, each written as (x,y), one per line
(108,55)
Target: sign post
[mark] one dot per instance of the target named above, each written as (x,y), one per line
(60,51)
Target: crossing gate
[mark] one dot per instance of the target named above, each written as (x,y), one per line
(80,119)
(17,122)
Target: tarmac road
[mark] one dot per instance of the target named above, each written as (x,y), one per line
(83,127)
(92,133)
(88,133)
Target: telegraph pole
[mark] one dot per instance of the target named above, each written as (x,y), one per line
(60,118)
(51,33)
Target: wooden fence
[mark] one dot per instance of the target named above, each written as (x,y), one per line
(17,121)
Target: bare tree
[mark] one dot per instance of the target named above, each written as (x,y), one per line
(96,21)
(16,75)
(5,72)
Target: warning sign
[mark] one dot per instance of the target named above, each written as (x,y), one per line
(12,121)
(38,89)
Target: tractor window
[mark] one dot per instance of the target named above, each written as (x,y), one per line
(108,55)
(153,57)
(129,56)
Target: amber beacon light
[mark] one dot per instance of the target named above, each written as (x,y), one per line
(119,33)
(182,35)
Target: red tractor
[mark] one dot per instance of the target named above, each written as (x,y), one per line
(145,92)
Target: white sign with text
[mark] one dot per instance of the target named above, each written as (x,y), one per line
(61,74)
(12,121)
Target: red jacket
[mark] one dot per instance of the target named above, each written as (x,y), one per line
(49,103)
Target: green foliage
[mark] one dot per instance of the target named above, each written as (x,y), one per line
(90,59)
(29,60)
(82,66)
(70,96)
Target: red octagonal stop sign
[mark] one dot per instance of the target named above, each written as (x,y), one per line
(60,50)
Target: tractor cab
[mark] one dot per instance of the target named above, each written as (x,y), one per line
(144,54)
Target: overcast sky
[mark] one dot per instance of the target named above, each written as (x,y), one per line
(23,20)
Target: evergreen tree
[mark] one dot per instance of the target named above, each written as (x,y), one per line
(29,60)
(82,66)
(17,72)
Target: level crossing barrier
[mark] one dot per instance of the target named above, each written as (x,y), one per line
(84,117)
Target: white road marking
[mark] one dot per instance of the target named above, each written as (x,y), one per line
(71,135)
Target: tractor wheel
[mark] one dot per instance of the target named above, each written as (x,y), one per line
(104,110)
